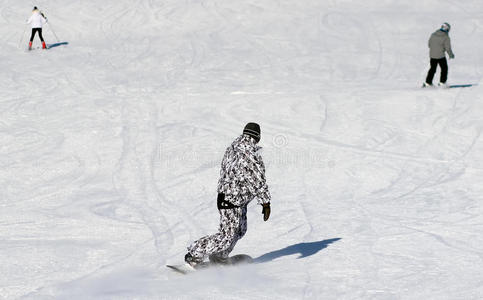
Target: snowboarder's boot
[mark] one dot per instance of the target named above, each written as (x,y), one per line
(30,45)
(192,261)
(426,85)
(44,46)
(443,85)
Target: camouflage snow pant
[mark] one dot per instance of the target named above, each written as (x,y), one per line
(233,225)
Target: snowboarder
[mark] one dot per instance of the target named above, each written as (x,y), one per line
(438,44)
(37,20)
(242,178)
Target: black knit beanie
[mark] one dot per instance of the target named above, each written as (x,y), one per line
(253,130)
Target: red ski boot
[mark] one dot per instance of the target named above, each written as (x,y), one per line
(44,46)
(30,46)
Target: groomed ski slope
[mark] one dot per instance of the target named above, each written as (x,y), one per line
(110,148)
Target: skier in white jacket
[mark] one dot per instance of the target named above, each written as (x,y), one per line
(37,20)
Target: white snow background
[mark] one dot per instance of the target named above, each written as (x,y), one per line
(110,148)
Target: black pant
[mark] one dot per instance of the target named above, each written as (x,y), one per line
(34,30)
(444,70)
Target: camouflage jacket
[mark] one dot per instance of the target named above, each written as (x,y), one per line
(242,175)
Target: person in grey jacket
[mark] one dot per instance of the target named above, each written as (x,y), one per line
(438,44)
(242,178)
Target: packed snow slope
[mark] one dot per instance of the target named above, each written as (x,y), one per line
(110,145)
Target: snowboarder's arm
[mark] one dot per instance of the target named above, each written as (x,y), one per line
(256,182)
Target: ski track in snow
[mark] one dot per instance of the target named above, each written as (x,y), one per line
(111,144)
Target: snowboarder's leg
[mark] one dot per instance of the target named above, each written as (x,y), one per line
(225,239)
(432,70)
(444,70)
(222,256)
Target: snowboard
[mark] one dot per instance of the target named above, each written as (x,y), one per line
(232,261)
(451,86)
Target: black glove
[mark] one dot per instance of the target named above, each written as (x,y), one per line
(266,211)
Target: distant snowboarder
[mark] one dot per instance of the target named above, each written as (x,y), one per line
(438,44)
(242,178)
(37,20)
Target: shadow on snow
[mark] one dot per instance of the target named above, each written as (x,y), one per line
(462,85)
(57,44)
(305,249)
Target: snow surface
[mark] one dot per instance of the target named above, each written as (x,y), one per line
(110,148)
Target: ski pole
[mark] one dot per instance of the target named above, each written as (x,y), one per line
(21,38)
(50,26)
